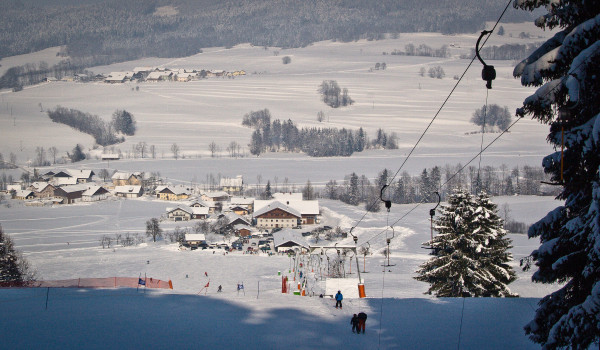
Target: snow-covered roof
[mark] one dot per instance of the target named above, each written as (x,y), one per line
(64,181)
(233,217)
(155,75)
(75,188)
(303,207)
(37,186)
(195,237)
(282,197)
(93,190)
(173,189)
(216,194)
(80,173)
(190,210)
(276,205)
(24,193)
(289,235)
(118,76)
(120,175)
(241,201)
(128,189)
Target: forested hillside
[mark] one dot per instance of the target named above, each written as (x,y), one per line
(106,31)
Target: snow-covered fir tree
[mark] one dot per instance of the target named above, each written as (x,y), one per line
(471,250)
(14,269)
(567,72)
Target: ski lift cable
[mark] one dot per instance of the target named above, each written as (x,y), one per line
(369,206)
(482,134)
(541,97)
(448,180)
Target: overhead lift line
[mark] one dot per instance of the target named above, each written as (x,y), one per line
(433,119)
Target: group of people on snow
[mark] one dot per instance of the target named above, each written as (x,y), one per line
(357,321)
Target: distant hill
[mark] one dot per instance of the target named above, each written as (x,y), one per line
(107,31)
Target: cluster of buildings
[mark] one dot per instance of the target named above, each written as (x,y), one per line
(246,215)
(157,74)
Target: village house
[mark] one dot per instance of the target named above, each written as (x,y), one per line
(233,186)
(43,189)
(243,230)
(219,196)
(128,191)
(118,77)
(285,240)
(159,75)
(70,177)
(94,193)
(277,215)
(184,77)
(309,210)
(82,175)
(122,179)
(194,239)
(172,193)
(197,203)
(185,213)
(241,205)
(235,219)
(70,194)
(24,194)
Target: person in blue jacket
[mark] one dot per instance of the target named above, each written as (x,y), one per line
(338,299)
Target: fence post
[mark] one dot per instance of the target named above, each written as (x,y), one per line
(47,294)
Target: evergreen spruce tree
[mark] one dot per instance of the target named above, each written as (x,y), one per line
(471,250)
(566,70)
(268,194)
(14,269)
(353,195)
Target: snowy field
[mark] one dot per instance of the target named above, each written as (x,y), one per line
(400,315)
(194,114)
(63,242)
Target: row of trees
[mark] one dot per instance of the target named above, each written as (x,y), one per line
(406,189)
(422,50)
(433,72)
(30,74)
(104,133)
(505,51)
(316,142)
(92,35)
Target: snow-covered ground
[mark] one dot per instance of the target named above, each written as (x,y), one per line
(400,315)
(62,242)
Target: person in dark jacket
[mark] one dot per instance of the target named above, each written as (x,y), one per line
(362,319)
(354,323)
(338,299)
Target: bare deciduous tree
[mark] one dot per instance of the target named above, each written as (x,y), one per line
(175,150)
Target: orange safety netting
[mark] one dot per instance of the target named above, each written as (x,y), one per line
(107,282)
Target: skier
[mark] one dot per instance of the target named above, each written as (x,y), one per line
(220,289)
(354,323)
(338,299)
(362,319)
